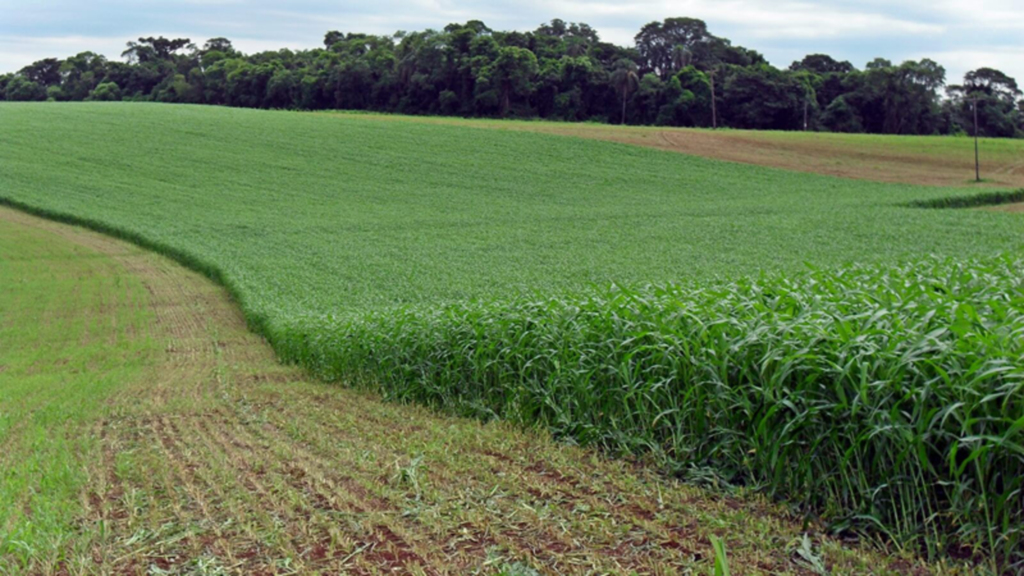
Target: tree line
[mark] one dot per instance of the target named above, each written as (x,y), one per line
(676,74)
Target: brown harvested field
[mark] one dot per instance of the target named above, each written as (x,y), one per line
(220,460)
(926,160)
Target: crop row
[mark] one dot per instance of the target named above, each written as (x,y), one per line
(883,398)
(971,201)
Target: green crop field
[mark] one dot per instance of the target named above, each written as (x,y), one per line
(306,215)
(927,160)
(612,293)
(145,430)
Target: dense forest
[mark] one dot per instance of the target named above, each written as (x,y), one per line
(676,74)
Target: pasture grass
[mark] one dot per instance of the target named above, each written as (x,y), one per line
(471,269)
(73,332)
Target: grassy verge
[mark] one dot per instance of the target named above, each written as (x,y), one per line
(73,331)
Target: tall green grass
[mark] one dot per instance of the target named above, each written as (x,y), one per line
(983,199)
(884,398)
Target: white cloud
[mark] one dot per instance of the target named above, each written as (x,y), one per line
(761,18)
(1009,59)
(987,14)
(18,51)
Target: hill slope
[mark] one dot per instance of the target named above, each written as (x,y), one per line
(307,216)
(926,160)
(202,455)
(471,270)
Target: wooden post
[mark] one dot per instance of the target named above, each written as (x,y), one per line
(977,159)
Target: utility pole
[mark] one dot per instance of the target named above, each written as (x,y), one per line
(977,160)
(714,107)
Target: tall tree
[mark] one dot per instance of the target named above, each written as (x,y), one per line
(625,80)
(20,89)
(822,64)
(687,99)
(993,83)
(81,74)
(511,74)
(991,97)
(900,99)
(677,73)
(154,48)
(44,72)
(763,98)
(657,41)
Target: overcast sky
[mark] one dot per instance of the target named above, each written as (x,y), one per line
(960,34)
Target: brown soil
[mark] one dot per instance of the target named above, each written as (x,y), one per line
(221,458)
(819,155)
(1016,208)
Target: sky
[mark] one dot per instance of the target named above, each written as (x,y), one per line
(959,34)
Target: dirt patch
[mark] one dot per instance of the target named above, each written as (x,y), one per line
(1017,208)
(866,158)
(815,155)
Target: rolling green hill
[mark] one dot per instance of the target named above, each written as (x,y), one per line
(307,215)
(606,291)
(927,160)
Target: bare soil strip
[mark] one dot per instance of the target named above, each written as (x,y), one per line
(1017,208)
(223,460)
(827,154)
